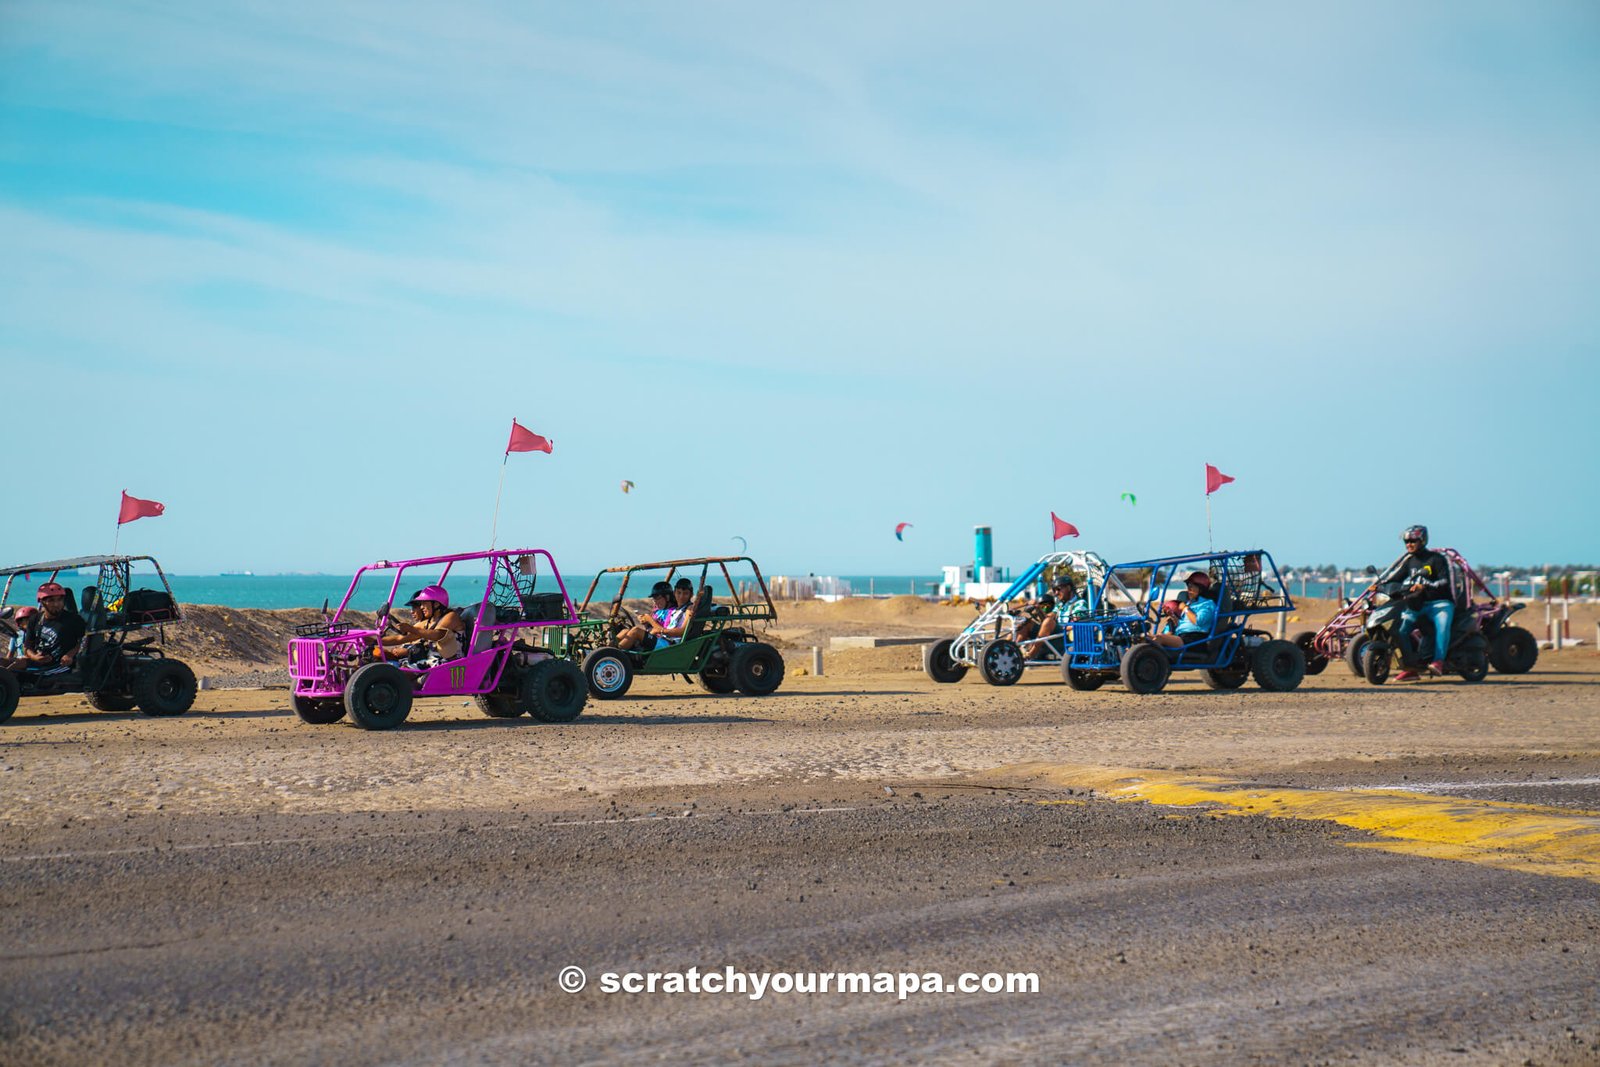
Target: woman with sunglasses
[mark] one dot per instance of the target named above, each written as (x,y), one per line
(663,626)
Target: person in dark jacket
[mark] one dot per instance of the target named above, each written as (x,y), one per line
(51,642)
(1421,580)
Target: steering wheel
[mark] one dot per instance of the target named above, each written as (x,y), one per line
(620,612)
(384,617)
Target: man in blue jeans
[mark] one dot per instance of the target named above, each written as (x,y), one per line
(1421,580)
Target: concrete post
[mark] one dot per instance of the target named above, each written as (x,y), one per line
(1555,638)
(816,661)
(1283,625)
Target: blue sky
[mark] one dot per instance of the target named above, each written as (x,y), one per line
(800,272)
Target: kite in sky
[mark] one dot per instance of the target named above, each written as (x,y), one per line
(1130,498)
(627,486)
(744,546)
(900,530)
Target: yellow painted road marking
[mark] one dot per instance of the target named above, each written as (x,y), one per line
(1513,837)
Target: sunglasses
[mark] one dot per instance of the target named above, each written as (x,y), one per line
(1413,541)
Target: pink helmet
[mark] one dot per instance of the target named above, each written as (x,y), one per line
(50,589)
(434,593)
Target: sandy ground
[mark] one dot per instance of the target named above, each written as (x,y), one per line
(236,886)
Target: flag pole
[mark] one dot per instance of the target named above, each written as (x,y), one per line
(494,529)
(1209,548)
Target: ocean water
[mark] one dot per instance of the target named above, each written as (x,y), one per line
(311,590)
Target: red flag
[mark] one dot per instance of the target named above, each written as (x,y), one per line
(1215,479)
(1063,528)
(134,508)
(525,440)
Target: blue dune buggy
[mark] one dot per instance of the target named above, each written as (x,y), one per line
(1227,652)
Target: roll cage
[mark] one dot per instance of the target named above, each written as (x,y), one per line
(1244,585)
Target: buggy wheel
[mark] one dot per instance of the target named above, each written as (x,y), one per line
(755,669)
(165,687)
(1305,640)
(609,672)
(1145,669)
(1279,666)
(713,677)
(1226,677)
(318,712)
(499,705)
(1001,662)
(109,700)
(10,693)
(1082,681)
(938,663)
(1375,659)
(553,690)
(1513,651)
(1352,654)
(378,696)
(1472,664)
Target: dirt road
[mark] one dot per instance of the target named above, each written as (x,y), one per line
(236,886)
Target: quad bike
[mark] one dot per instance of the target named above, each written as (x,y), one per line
(1386,644)
(1511,649)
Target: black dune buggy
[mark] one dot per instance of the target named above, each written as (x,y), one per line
(119,664)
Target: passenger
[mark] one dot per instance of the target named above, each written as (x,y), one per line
(1421,578)
(19,620)
(432,637)
(52,639)
(1192,615)
(663,626)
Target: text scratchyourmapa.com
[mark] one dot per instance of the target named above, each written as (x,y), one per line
(757,984)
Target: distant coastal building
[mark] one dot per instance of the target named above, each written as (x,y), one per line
(981,579)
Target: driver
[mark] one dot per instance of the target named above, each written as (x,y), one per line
(433,635)
(52,639)
(1421,579)
(663,626)
(1192,615)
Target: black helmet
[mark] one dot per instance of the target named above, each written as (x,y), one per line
(684,583)
(1415,533)
(661,589)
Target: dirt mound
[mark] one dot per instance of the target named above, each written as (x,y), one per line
(218,638)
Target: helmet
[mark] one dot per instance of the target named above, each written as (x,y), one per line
(661,589)
(434,593)
(684,583)
(24,612)
(1415,533)
(50,589)
(1171,607)
(1200,578)
(1063,581)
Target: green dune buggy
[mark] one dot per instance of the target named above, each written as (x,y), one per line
(716,645)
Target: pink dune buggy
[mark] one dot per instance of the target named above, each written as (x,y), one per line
(338,667)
